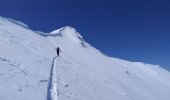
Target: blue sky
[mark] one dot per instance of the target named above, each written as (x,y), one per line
(127,29)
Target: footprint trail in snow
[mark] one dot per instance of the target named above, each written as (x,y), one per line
(52,86)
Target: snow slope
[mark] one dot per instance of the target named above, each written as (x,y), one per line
(30,69)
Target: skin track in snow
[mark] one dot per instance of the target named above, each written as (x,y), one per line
(52,87)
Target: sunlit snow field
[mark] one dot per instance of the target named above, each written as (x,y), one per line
(81,72)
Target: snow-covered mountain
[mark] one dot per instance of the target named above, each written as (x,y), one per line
(30,69)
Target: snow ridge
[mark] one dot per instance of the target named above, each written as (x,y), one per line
(30,69)
(16,22)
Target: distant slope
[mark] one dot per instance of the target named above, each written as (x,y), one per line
(83,72)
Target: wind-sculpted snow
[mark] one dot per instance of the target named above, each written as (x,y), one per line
(16,22)
(81,72)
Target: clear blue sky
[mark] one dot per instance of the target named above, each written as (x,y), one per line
(128,29)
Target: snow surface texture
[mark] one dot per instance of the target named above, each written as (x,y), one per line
(52,87)
(30,69)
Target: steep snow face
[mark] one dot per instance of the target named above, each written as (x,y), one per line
(30,69)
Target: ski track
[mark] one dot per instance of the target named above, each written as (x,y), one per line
(52,93)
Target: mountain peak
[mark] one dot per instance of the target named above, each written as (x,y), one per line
(69,33)
(66,31)
(63,28)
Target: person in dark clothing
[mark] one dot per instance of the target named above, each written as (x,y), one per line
(58,50)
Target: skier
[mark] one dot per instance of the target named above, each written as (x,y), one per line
(58,50)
